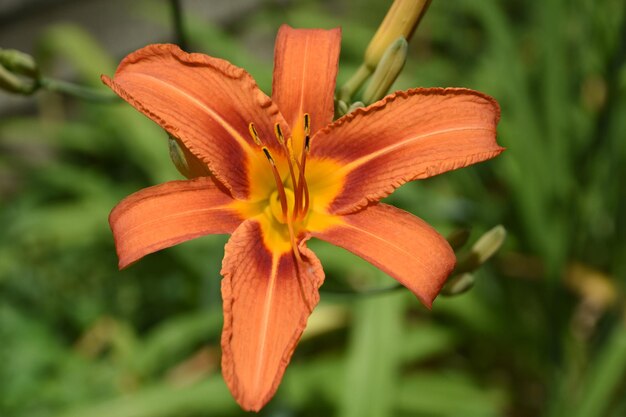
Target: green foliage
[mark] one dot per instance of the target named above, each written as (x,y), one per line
(541,333)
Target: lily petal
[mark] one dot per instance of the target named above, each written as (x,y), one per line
(408,135)
(206,103)
(305,68)
(268,297)
(398,243)
(162,216)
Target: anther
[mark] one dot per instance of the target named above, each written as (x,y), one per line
(269,156)
(288,151)
(254,134)
(307,124)
(279,134)
(282,196)
(302,191)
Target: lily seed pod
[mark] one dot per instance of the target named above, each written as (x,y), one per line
(387,71)
(401,20)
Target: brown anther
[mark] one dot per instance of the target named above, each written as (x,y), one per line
(307,124)
(269,156)
(301,189)
(254,134)
(279,134)
(281,139)
(282,196)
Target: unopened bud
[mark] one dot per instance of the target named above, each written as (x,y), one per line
(19,63)
(458,284)
(355,105)
(489,243)
(341,108)
(387,71)
(458,238)
(401,20)
(483,249)
(15,84)
(185,162)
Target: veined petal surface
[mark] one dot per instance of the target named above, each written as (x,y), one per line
(406,136)
(268,296)
(305,68)
(398,243)
(162,216)
(206,103)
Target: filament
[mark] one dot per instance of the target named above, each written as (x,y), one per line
(282,196)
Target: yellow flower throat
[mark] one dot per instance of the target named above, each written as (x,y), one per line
(288,206)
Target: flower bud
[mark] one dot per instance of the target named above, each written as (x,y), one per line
(482,250)
(341,108)
(15,84)
(387,71)
(458,284)
(355,105)
(489,243)
(401,20)
(19,63)
(18,72)
(185,162)
(458,238)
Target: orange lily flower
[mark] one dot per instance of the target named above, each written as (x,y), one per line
(283,172)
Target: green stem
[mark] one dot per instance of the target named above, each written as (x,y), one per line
(354,83)
(78,91)
(602,385)
(177,20)
(351,292)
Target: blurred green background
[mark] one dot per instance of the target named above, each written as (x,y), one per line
(542,333)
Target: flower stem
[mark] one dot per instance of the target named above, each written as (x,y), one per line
(354,83)
(351,292)
(75,90)
(177,21)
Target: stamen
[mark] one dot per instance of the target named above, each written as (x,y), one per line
(283,203)
(279,134)
(279,182)
(302,191)
(289,153)
(303,293)
(280,188)
(269,156)
(305,189)
(307,124)
(254,134)
(302,165)
(292,238)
